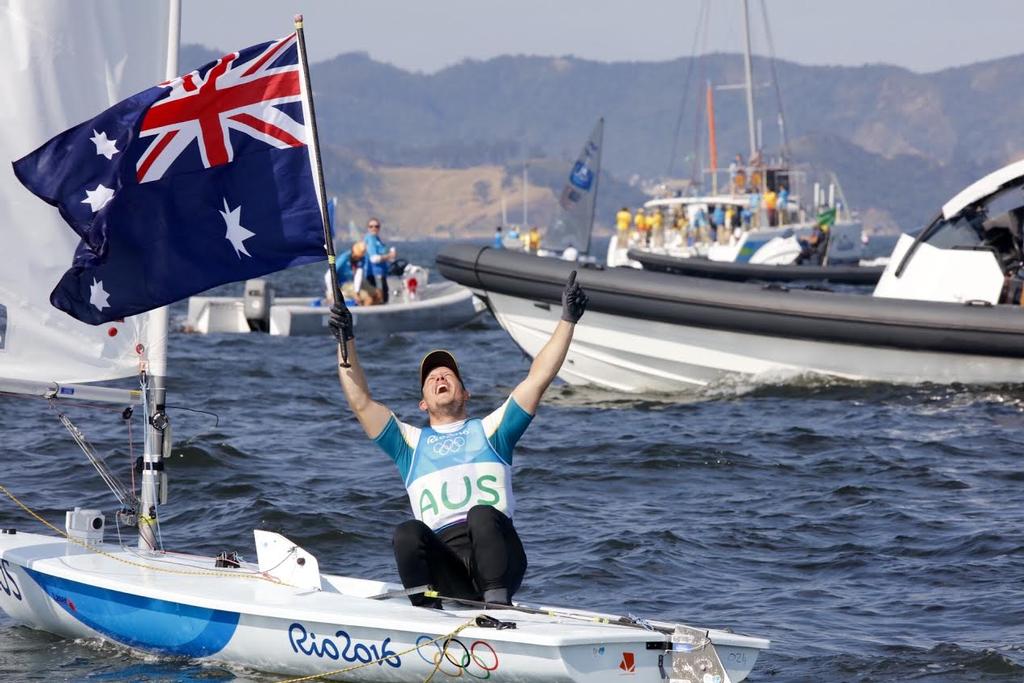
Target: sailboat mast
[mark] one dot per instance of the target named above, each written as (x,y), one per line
(526,198)
(750,82)
(156,362)
(712,145)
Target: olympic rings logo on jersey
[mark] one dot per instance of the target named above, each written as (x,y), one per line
(443,447)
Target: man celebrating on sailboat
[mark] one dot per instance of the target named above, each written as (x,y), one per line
(458,470)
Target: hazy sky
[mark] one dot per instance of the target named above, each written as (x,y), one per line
(427,35)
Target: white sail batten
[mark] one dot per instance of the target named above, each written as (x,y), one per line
(65,62)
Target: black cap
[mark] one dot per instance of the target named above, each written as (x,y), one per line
(438,358)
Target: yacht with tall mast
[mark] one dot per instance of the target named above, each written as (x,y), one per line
(763,204)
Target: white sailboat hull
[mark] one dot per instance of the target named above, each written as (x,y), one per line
(439,306)
(628,354)
(181,605)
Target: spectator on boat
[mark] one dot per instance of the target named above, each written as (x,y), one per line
(640,223)
(656,222)
(350,274)
(739,183)
(378,258)
(812,249)
(718,218)
(457,470)
(770,203)
(534,239)
(702,224)
(623,219)
(783,202)
(735,173)
(499,239)
(755,209)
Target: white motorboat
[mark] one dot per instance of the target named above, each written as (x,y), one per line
(279,615)
(948,308)
(430,306)
(749,231)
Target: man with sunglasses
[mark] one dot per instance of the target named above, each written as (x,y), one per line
(378,259)
(457,470)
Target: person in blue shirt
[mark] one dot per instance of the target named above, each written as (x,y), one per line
(499,240)
(457,470)
(350,267)
(378,258)
(783,202)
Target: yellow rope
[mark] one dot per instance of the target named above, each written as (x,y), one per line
(448,637)
(61,532)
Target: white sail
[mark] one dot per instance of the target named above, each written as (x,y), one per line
(64,62)
(576,219)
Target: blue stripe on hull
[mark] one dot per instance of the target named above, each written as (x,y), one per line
(145,623)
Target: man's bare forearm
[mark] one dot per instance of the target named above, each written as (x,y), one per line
(548,362)
(373,416)
(544,368)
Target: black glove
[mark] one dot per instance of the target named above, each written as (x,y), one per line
(574,300)
(340,323)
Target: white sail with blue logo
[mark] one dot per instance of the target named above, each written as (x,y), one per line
(577,200)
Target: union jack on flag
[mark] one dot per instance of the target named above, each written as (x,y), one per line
(195,182)
(244,97)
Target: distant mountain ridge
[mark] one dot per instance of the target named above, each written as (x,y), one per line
(901,143)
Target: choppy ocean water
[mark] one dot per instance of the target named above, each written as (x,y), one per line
(872,532)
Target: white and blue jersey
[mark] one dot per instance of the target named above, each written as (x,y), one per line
(450,468)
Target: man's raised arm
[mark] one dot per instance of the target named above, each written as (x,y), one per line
(547,363)
(373,416)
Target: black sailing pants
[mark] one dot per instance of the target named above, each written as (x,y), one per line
(463,560)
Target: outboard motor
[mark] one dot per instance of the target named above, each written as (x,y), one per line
(256,304)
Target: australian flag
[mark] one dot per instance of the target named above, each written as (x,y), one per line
(192,183)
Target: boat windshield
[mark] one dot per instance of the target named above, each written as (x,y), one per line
(993,224)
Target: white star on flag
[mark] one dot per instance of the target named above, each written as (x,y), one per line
(236,234)
(98,198)
(104,145)
(98,297)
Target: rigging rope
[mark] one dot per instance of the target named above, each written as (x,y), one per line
(698,120)
(775,80)
(125,497)
(686,88)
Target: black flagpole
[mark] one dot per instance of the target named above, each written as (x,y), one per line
(319,172)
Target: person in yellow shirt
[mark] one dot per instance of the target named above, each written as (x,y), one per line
(534,239)
(770,203)
(622,221)
(656,220)
(640,223)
